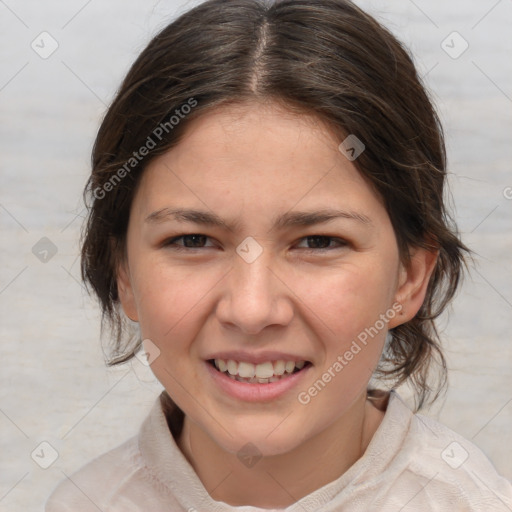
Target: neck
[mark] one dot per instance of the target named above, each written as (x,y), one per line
(280,480)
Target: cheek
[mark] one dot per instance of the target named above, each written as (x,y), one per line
(349,299)
(171,305)
(168,297)
(351,332)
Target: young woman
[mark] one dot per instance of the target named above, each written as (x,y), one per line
(266,202)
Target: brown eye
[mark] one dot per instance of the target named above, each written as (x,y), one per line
(190,241)
(323,242)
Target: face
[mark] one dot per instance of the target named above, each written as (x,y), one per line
(291,261)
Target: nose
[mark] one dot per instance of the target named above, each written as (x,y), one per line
(254,296)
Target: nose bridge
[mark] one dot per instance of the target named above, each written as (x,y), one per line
(253,277)
(254,296)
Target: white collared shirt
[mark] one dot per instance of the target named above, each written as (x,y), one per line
(413,463)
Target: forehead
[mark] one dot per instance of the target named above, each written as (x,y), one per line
(261,128)
(255,157)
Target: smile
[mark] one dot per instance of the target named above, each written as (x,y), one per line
(262,373)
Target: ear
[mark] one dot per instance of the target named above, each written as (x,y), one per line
(413,283)
(125,292)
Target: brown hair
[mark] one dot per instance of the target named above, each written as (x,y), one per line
(322,57)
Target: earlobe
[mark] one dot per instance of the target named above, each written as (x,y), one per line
(413,284)
(125,292)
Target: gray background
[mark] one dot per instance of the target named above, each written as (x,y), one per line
(54,386)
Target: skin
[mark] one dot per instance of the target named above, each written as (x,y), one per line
(251,163)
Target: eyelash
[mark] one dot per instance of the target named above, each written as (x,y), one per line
(171,242)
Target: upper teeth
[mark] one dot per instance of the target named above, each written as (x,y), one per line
(260,371)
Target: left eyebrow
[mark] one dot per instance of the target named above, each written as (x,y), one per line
(289,219)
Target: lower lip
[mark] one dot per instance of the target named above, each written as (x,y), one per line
(256,392)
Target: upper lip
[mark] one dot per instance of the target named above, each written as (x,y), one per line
(255,358)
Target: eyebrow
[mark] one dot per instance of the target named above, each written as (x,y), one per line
(288,219)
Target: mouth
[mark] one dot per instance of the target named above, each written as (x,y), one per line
(267,372)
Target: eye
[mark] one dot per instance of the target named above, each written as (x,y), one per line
(190,241)
(322,242)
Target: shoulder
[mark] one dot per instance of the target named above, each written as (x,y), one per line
(441,468)
(129,477)
(89,488)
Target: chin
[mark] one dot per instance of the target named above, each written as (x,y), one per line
(262,439)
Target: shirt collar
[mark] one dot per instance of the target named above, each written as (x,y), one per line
(167,463)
